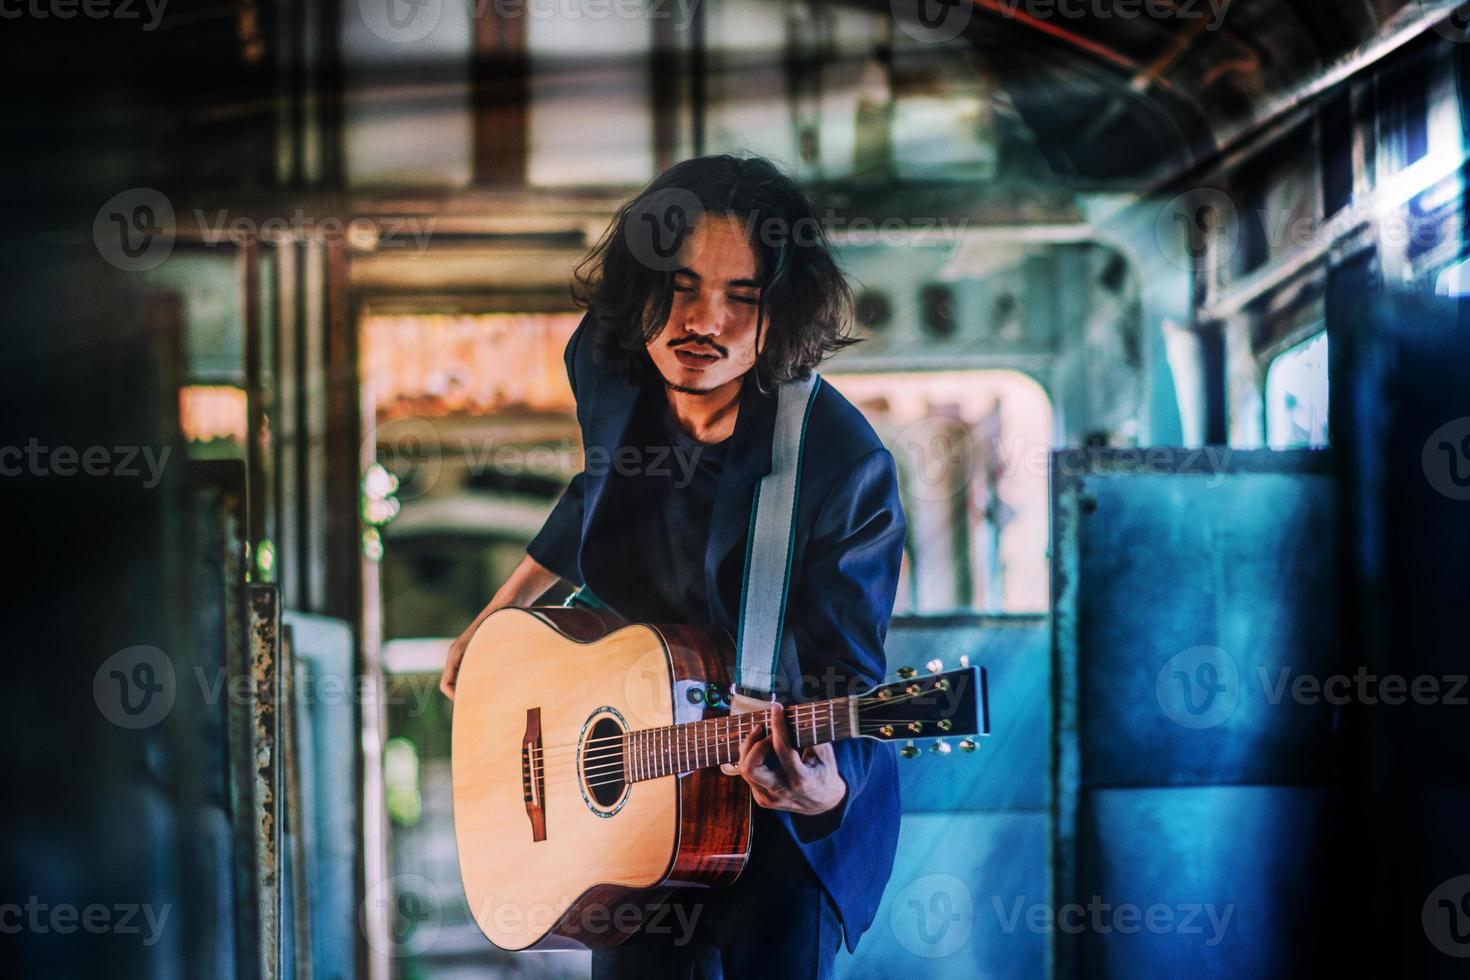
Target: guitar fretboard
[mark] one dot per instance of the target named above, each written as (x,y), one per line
(654,752)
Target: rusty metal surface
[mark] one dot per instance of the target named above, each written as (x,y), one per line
(265,741)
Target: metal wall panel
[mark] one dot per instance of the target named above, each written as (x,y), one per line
(1217,882)
(1204,599)
(1191,590)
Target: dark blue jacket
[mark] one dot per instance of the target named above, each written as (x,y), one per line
(849,543)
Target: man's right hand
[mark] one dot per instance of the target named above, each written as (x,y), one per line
(530,580)
(459,646)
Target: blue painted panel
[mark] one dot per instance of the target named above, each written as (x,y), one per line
(324,650)
(1203,600)
(949,910)
(1009,771)
(1226,874)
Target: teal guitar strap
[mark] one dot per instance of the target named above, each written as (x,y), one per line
(769,545)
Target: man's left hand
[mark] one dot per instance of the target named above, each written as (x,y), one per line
(808,781)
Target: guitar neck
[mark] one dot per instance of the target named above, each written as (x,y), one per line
(655,752)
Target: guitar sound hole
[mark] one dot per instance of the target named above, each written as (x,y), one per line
(602,763)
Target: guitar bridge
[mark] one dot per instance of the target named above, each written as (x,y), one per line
(533,774)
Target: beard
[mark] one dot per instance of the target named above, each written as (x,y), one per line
(687,390)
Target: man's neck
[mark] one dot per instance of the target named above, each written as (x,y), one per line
(707,416)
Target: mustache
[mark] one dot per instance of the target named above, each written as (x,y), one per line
(702,341)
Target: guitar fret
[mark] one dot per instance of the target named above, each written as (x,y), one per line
(689,747)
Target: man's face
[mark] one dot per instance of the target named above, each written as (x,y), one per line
(709,339)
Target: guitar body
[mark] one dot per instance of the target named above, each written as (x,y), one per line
(555,850)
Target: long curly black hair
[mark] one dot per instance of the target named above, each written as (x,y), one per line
(627,281)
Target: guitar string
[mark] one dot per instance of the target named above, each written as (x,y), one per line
(678,749)
(624,781)
(619,761)
(616,757)
(830,706)
(712,737)
(664,731)
(710,730)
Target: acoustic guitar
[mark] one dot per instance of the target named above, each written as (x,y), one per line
(586,755)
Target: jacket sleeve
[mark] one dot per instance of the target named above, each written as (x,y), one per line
(559,542)
(849,580)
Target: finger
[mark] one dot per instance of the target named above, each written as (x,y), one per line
(756,734)
(450,676)
(761,780)
(753,753)
(785,751)
(753,768)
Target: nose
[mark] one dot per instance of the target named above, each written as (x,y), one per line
(705,318)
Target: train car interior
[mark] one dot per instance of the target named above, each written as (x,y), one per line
(1162,316)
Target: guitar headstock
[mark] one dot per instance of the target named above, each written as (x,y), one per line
(936,705)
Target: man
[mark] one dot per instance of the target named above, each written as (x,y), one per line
(713,286)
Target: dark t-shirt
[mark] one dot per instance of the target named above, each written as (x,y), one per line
(662,505)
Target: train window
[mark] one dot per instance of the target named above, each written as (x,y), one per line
(972,451)
(1296,396)
(213,420)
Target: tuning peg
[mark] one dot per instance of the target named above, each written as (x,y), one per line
(968,745)
(906,672)
(964,660)
(934,666)
(944,724)
(909,750)
(916,727)
(940,747)
(886,731)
